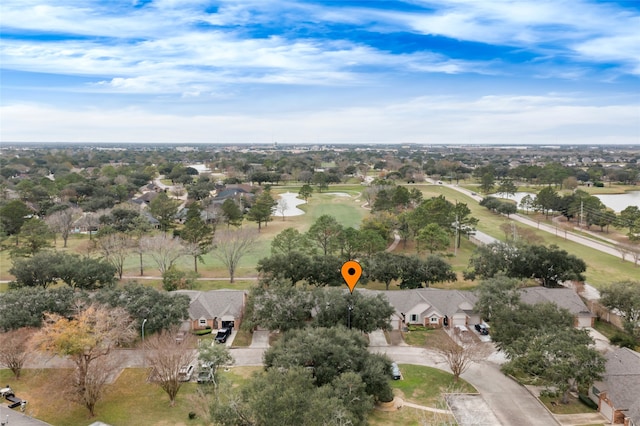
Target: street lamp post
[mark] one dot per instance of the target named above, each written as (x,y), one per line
(144,351)
(349,309)
(143,323)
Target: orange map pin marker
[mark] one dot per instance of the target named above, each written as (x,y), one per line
(351,271)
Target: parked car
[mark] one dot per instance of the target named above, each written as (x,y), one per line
(395,372)
(185,373)
(205,375)
(482,329)
(222,335)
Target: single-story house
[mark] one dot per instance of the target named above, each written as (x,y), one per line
(564,298)
(215,308)
(431,307)
(618,393)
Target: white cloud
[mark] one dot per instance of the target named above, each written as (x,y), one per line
(554,118)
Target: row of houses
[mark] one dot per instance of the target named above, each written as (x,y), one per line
(430,307)
(617,394)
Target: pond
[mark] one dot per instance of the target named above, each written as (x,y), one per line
(616,202)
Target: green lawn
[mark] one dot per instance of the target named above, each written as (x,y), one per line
(575,406)
(425,385)
(131,400)
(602,269)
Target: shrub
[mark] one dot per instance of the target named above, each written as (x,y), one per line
(623,340)
(587,401)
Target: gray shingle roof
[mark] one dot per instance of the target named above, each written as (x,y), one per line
(215,303)
(445,302)
(621,380)
(563,297)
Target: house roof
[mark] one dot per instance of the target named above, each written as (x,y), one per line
(563,297)
(621,381)
(443,302)
(215,303)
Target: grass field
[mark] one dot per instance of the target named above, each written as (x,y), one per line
(131,400)
(602,269)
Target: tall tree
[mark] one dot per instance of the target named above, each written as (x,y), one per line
(487,182)
(547,200)
(325,232)
(232,246)
(14,349)
(26,307)
(114,248)
(35,236)
(197,234)
(167,356)
(330,352)
(384,267)
(164,251)
(354,310)
(63,221)
(280,306)
(624,296)
(13,215)
(40,270)
(140,229)
(459,356)
(305,192)
(417,273)
(164,210)
(507,187)
(433,238)
(231,213)
(495,294)
(262,209)
(288,241)
(88,340)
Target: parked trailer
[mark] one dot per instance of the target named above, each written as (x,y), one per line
(14,402)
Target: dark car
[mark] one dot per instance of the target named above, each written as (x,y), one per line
(482,329)
(222,335)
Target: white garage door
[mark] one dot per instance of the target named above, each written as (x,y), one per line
(606,410)
(584,321)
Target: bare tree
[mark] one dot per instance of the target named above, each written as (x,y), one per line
(458,356)
(114,248)
(62,221)
(168,356)
(14,349)
(281,207)
(88,340)
(164,250)
(91,220)
(231,246)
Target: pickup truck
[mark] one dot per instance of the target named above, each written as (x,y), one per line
(222,335)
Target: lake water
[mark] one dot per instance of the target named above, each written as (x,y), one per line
(616,202)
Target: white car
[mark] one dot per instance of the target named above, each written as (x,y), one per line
(185,373)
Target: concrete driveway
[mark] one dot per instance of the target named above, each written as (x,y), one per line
(511,403)
(260,339)
(376,338)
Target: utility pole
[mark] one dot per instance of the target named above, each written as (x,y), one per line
(581,214)
(455,242)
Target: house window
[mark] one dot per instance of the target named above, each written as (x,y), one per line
(413,318)
(202,322)
(433,320)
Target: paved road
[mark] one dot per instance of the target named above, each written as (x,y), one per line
(511,403)
(568,235)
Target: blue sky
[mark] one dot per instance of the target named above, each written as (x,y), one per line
(293,71)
